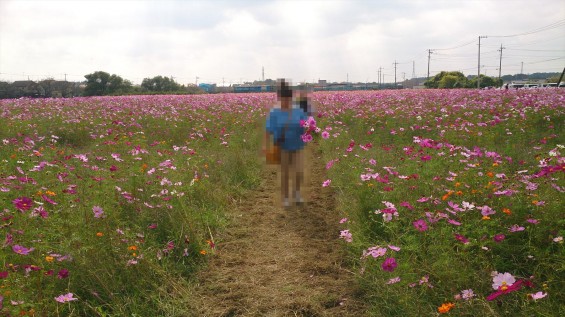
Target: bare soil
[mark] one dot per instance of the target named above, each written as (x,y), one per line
(273,261)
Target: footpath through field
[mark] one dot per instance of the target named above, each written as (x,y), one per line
(277,262)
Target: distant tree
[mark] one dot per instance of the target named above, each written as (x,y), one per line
(101,83)
(160,84)
(447,80)
(486,81)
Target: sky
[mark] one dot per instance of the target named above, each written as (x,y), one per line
(231,42)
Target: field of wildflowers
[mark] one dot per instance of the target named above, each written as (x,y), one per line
(452,200)
(110,204)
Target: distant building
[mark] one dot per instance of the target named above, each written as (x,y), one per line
(209,88)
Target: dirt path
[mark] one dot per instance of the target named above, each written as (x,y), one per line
(277,262)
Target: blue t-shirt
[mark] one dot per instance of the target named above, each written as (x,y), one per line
(280,122)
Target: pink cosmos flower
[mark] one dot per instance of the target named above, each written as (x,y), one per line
(423,199)
(538,295)
(325,134)
(327,183)
(306,137)
(467,294)
(420,225)
(487,211)
(343,220)
(502,280)
(461,238)
(49,200)
(346,235)
(454,222)
(407,205)
(62,274)
(508,289)
(389,265)
(98,212)
(394,248)
(393,280)
(21,250)
(499,238)
(516,228)
(375,252)
(39,211)
(65,298)
(22,203)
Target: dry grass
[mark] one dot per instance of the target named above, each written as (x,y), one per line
(277,262)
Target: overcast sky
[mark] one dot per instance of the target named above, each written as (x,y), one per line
(231,41)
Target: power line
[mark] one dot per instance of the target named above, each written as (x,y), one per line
(541,29)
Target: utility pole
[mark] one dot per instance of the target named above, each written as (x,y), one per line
(263,73)
(347,81)
(395,63)
(65,77)
(413,69)
(223,82)
(403,76)
(380,78)
(196,80)
(429,54)
(522,71)
(500,62)
(479,64)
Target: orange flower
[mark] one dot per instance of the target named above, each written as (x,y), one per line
(99,234)
(494,164)
(203,252)
(132,248)
(534,202)
(49,258)
(506,211)
(50,193)
(445,307)
(459,193)
(490,174)
(457,184)
(486,218)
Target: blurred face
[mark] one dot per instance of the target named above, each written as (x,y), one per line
(286,102)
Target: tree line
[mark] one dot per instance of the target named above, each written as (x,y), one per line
(102,83)
(446,79)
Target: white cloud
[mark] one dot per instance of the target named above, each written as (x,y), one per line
(302,40)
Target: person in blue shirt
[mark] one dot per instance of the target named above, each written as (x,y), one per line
(284,126)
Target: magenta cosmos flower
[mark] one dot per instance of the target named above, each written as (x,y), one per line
(389,265)
(420,225)
(22,203)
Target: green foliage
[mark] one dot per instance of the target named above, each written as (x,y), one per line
(101,83)
(447,80)
(160,84)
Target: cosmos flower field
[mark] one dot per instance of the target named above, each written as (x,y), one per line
(452,200)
